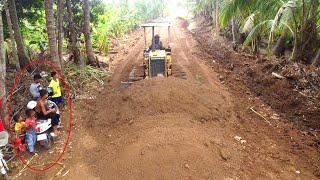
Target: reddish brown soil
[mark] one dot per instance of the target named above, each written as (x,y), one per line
(184,129)
(255,73)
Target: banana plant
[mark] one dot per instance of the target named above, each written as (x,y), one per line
(275,20)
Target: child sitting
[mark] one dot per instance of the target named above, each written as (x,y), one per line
(31,135)
(55,85)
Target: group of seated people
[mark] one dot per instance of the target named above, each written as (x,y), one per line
(25,128)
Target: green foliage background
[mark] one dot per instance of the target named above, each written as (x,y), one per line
(108,20)
(117,20)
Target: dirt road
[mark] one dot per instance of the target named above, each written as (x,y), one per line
(193,128)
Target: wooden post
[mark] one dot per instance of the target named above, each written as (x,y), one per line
(153,37)
(169,35)
(145,37)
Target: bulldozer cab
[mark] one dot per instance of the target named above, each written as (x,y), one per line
(157,58)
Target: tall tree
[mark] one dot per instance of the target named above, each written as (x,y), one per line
(13,42)
(73,35)
(87,34)
(50,21)
(2,71)
(217,6)
(23,58)
(60,31)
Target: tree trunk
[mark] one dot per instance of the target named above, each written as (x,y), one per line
(73,36)
(316,60)
(235,34)
(87,35)
(23,58)
(50,22)
(305,46)
(13,42)
(2,72)
(306,35)
(217,17)
(280,47)
(60,31)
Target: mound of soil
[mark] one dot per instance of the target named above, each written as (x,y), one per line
(162,128)
(160,96)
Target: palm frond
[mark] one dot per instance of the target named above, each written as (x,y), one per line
(256,31)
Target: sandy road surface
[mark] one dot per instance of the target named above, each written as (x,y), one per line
(177,129)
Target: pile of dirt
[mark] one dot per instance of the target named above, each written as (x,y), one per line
(165,125)
(159,96)
(295,96)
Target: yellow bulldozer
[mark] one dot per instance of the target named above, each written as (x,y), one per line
(157,58)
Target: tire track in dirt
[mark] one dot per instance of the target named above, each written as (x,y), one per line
(193,65)
(179,57)
(185,56)
(134,57)
(122,73)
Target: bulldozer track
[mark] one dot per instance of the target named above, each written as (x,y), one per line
(138,73)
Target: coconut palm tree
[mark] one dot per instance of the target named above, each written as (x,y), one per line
(275,20)
(23,58)
(87,34)
(73,36)
(50,22)
(60,30)
(11,33)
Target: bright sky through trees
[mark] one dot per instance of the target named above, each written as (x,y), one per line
(175,8)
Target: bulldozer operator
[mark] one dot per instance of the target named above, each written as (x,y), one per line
(157,45)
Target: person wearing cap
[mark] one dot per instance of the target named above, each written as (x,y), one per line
(157,43)
(35,87)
